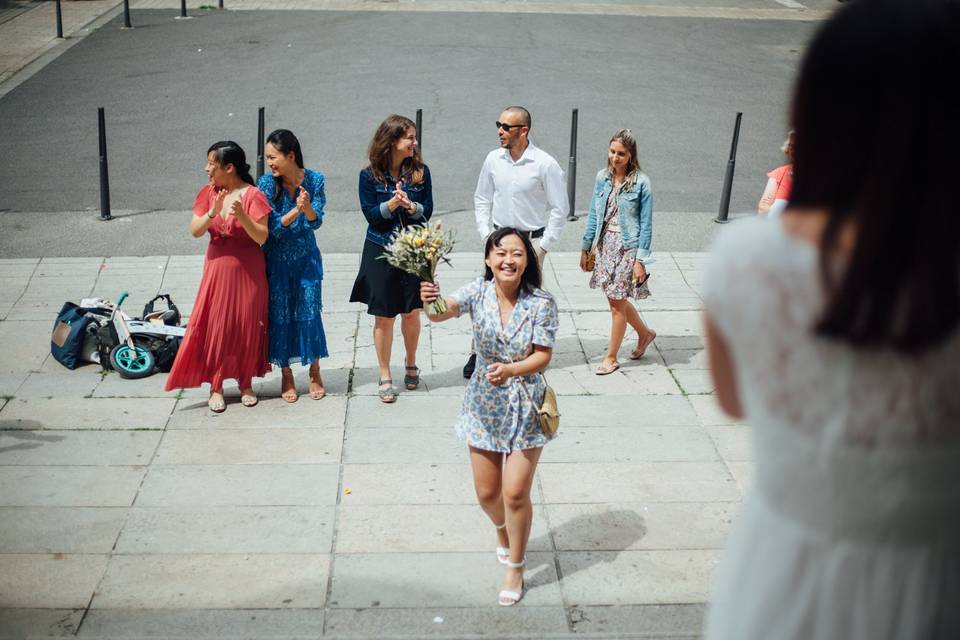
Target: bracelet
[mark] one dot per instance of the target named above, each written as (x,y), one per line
(211,215)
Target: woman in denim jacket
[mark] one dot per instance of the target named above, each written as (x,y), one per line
(395,191)
(619,229)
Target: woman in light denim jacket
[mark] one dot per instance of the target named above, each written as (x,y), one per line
(619,229)
(395,192)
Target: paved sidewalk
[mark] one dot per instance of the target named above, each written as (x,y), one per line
(127,511)
(32,33)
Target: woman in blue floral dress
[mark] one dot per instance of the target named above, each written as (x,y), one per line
(514,330)
(294,267)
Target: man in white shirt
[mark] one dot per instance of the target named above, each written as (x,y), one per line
(520,186)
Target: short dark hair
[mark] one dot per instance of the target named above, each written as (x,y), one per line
(531,278)
(876,137)
(524,115)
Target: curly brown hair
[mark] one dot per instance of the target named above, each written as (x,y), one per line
(390,130)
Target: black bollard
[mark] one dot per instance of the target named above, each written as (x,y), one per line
(126,15)
(728,178)
(59,21)
(104,174)
(420,128)
(183,9)
(260,142)
(572,166)
(220,4)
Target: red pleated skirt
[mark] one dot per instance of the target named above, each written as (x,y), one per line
(227,331)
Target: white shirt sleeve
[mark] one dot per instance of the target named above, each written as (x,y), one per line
(555,186)
(483,199)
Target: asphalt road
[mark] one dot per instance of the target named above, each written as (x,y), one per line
(172,87)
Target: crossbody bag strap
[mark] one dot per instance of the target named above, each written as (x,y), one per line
(523,385)
(600,232)
(603,227)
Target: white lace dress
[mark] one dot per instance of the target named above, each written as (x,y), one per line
(852,530)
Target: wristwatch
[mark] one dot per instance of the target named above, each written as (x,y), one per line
(212,214)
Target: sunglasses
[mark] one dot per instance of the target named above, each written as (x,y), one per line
(507,127)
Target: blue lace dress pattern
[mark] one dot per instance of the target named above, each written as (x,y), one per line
(295,275)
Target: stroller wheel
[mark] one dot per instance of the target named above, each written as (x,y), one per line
(132,363)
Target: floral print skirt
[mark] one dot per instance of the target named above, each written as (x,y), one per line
(613,272)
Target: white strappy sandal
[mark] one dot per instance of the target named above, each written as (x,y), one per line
(503,553)
(509,598)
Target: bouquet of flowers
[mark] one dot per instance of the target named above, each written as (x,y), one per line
(418,249)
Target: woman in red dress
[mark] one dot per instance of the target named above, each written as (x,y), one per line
(227,332)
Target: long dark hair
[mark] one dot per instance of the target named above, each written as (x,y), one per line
(381,146)
(876,138)
(229,152)
(531,278)
(285,142)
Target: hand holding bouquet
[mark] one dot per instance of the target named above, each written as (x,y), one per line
(418,249)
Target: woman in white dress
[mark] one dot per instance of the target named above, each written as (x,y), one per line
(836,332)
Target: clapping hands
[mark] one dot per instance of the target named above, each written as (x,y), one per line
(403,200)
(218,201)
(303,200)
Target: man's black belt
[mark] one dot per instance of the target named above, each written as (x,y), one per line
(536,233)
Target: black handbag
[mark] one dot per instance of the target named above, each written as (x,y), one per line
(171,316)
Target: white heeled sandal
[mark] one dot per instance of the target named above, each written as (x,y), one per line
(509,598)
(503,553)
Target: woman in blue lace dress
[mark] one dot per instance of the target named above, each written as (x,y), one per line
(294,266)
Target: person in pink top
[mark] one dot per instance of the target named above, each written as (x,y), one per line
(779,184)
(227,332)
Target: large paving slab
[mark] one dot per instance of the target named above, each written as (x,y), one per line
(274,413)
(86,413)
(404,445)
(203,623)
(49,581)
(254,581)
(250,446)
(77,448)
(412,410)
(624,526)
(369,484)
(222,530)
(415,580)
(631,444)
(657,620)
(41,623)
(58,486)
(452,622)
(627,410)
(424,529)
(63,530)
(648,481)
(238,485)
(79,383)
(637,577)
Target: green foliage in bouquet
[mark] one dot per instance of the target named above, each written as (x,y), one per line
(418,249)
